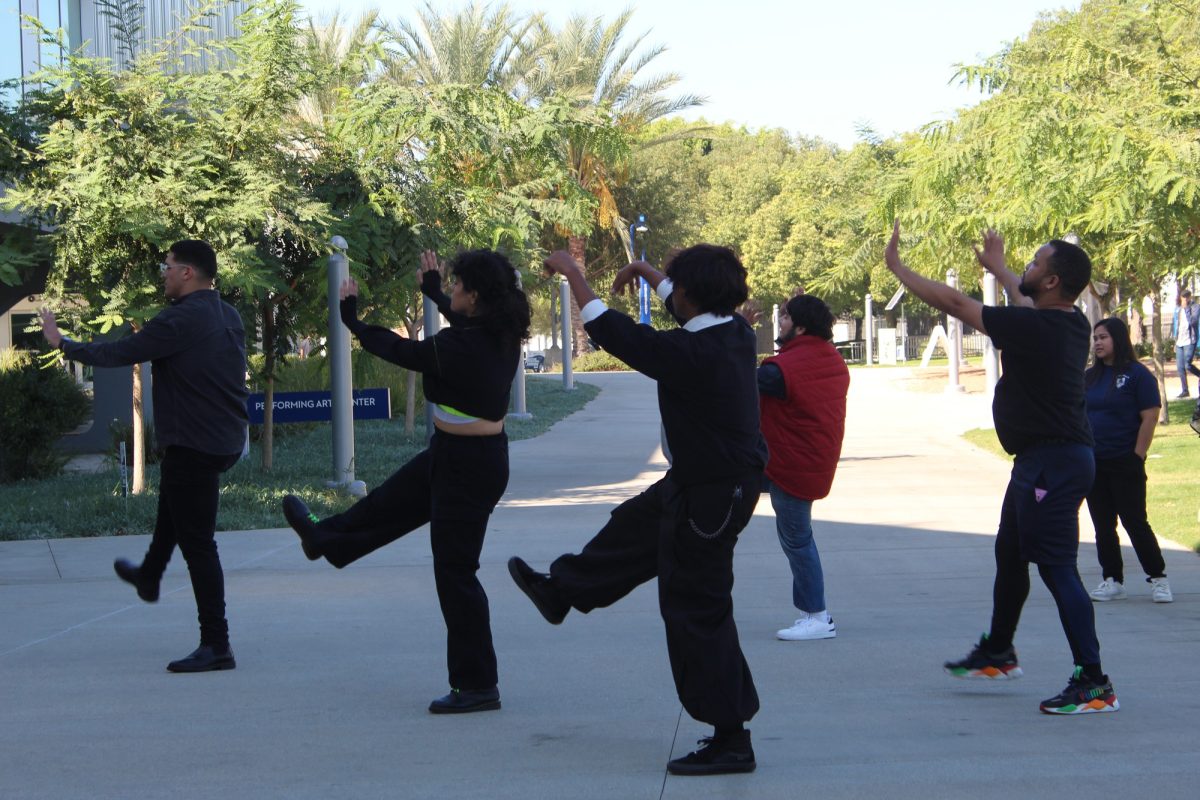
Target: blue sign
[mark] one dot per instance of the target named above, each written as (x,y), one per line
(318,407)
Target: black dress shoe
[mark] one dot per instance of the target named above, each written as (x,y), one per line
(718,756)
(127,572)
(204,659)
(536,586)
(304,523)
(464,701)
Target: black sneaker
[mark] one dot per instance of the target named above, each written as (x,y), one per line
(304,523)
(717,756)
(536,586)
(982,664)
(464,701)
(126,571)
(1082,696)
(204,659)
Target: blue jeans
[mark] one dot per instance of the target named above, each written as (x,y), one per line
(1184,353)
(793,521)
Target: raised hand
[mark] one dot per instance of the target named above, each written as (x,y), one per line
(349,288)
(891,255)
(429,262)
(627,277)
(560,262)
(991,257)
(50,327)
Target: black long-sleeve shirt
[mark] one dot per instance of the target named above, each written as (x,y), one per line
(707,391)
(197,351)
(464,366)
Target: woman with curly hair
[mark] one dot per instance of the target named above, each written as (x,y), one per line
(453,485)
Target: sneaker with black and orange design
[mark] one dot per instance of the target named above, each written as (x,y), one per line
(1082,696)
(983,664)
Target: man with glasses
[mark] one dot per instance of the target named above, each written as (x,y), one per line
(197,350)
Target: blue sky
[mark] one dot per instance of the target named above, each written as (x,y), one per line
(812,67)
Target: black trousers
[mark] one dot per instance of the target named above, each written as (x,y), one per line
(1120,491)
(454,486)
(685,537)
(188,496)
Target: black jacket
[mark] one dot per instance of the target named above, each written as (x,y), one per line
(197,350)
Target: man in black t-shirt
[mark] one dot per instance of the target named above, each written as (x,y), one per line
(1041,419)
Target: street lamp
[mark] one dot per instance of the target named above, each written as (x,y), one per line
(643,287)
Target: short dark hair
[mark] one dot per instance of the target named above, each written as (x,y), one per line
(810,312)
(196,253)
(712,276)
(1072,266)
(1186,293)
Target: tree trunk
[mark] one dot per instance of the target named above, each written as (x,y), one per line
(1160,371)
(138,484)
(575,246)
(268,344)
(410,388)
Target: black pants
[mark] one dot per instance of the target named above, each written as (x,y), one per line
(454,486)
(188,495)
(685,537)
(1120,491)
(1039,522)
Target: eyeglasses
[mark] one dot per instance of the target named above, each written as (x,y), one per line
(164,266)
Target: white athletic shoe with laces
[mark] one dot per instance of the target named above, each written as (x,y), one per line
(1160,591)
(810,626)
(1108,590)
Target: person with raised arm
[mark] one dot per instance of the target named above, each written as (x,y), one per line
(1041,419)
(455,483)
(682,530)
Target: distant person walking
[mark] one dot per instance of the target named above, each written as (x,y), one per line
(1184,325)
(197,350)
(802,399)
(1041,419)
(683,529)
(1122,408)
(454,484)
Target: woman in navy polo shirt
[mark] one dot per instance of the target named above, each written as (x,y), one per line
(1122,407)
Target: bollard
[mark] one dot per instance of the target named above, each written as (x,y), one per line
(991,357)
(953,339)
(340,379)
(567,347)
(869,331)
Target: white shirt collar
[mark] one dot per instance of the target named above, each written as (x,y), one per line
(702,321)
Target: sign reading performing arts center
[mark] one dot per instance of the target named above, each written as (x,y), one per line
(317,406)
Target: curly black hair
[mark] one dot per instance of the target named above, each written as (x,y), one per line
(712,276)
(504,309)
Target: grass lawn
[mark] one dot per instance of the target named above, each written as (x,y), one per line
(1171,492)
(92,505)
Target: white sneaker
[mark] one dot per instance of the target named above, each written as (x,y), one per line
(810,626)
(1108,590)
(1160,591)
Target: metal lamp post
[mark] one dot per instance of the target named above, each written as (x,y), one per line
(643,286)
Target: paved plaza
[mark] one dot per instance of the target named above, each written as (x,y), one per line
(336,667)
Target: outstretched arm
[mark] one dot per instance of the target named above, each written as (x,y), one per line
(991,258)
(562,263)
(936,294)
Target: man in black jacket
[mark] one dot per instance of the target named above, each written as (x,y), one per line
(683,529)
(197,350)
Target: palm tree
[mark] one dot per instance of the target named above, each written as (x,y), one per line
(344,55)
(594,65)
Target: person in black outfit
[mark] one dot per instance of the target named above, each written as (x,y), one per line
(1041,419)
(197,350)
(683,529)
(455,484)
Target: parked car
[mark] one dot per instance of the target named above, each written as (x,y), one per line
(535,363)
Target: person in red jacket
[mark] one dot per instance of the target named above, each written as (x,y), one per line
(802,398)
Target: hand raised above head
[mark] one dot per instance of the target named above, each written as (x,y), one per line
(627,276)
(891,254)
(991,257)
(429,262)
(50,327)
(349,288)
(560,262)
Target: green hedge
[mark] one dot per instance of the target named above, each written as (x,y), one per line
(598,361)
(37,406)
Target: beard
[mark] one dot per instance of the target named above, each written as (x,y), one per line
(787,337)
(1027,290)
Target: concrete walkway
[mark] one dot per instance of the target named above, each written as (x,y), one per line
(336,668)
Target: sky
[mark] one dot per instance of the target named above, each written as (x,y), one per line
(812,67)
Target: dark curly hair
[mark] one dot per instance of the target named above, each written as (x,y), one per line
(810,312)
(712,276)
(504,309)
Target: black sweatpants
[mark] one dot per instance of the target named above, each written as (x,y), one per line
(1120,491)
(453,485)
(684,536)
(188,495)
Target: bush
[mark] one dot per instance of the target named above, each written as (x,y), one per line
(39,406)
(598,361)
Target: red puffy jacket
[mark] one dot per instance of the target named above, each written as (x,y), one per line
(804,431)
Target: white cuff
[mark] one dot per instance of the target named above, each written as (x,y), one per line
(592,310)
(665,288)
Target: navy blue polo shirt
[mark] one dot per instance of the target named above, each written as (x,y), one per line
(1115,400)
